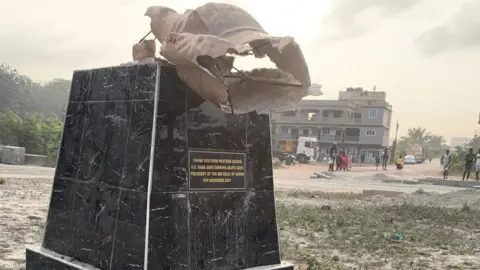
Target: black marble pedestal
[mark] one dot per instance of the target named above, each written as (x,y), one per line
(152,176)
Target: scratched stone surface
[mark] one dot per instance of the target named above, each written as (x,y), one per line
(98,208)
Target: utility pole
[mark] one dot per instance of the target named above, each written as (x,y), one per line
(394,146)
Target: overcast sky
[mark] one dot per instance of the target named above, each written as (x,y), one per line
(425,54)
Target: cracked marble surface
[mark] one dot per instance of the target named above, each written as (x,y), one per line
(98,209)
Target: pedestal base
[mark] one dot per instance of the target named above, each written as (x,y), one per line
(283,266)
(41,260)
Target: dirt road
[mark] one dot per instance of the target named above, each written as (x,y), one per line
(298,177)
(359,179)
(25,192)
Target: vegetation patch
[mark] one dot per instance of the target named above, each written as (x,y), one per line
(379,236)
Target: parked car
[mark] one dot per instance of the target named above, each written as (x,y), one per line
(420,159)
(409,159)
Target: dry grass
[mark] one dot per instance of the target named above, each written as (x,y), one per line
(359,236)
(317,230)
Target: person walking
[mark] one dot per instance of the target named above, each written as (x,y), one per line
(446,161)
(477,164)
(385,158)
(332,157)
(377,160)
(469,161)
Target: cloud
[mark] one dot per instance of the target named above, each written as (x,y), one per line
(461,32)
(344,14)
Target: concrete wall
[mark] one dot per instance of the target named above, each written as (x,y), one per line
(13,155)
(37,160)
(366,136)
(387,115)
(368,120)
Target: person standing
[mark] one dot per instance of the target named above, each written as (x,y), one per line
(469,161)
(343,161)
(385,158)
(377,160)
(477,164)
(338,161)
(446,161)
(350,157)
(333,155)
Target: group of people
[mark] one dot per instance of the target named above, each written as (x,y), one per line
(383,157)
(340,159)
(471,164)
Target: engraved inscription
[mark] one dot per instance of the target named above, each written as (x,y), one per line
(216,170)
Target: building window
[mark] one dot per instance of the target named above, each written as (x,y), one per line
(370,132)
(337,114)
(289,113)
(325,131)
(285,130)
(305,132)
(373,113)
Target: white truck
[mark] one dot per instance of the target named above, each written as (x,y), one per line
(307,149)
(416,151)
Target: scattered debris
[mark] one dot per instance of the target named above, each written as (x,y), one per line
(384,193)
(397,236)
(323,175)
(326,207)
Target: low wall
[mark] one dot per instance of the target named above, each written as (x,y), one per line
(37,160)
(13,155)
(450,183)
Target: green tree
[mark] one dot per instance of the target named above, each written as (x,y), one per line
(51,99)
(417,135)
(402,147)
(458,157)
(432,145)
(11,126)
(435,146)
(38,135)
(31,113)
(475,142)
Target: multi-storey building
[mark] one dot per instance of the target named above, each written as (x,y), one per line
(359,121)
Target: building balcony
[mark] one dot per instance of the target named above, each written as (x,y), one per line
(303,119)
(287,136)
(338,139)
(352,138)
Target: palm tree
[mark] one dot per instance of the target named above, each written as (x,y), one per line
(418,136)
(432,145)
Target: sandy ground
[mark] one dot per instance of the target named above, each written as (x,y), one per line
(359,178)
(23,210)
(25,192)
